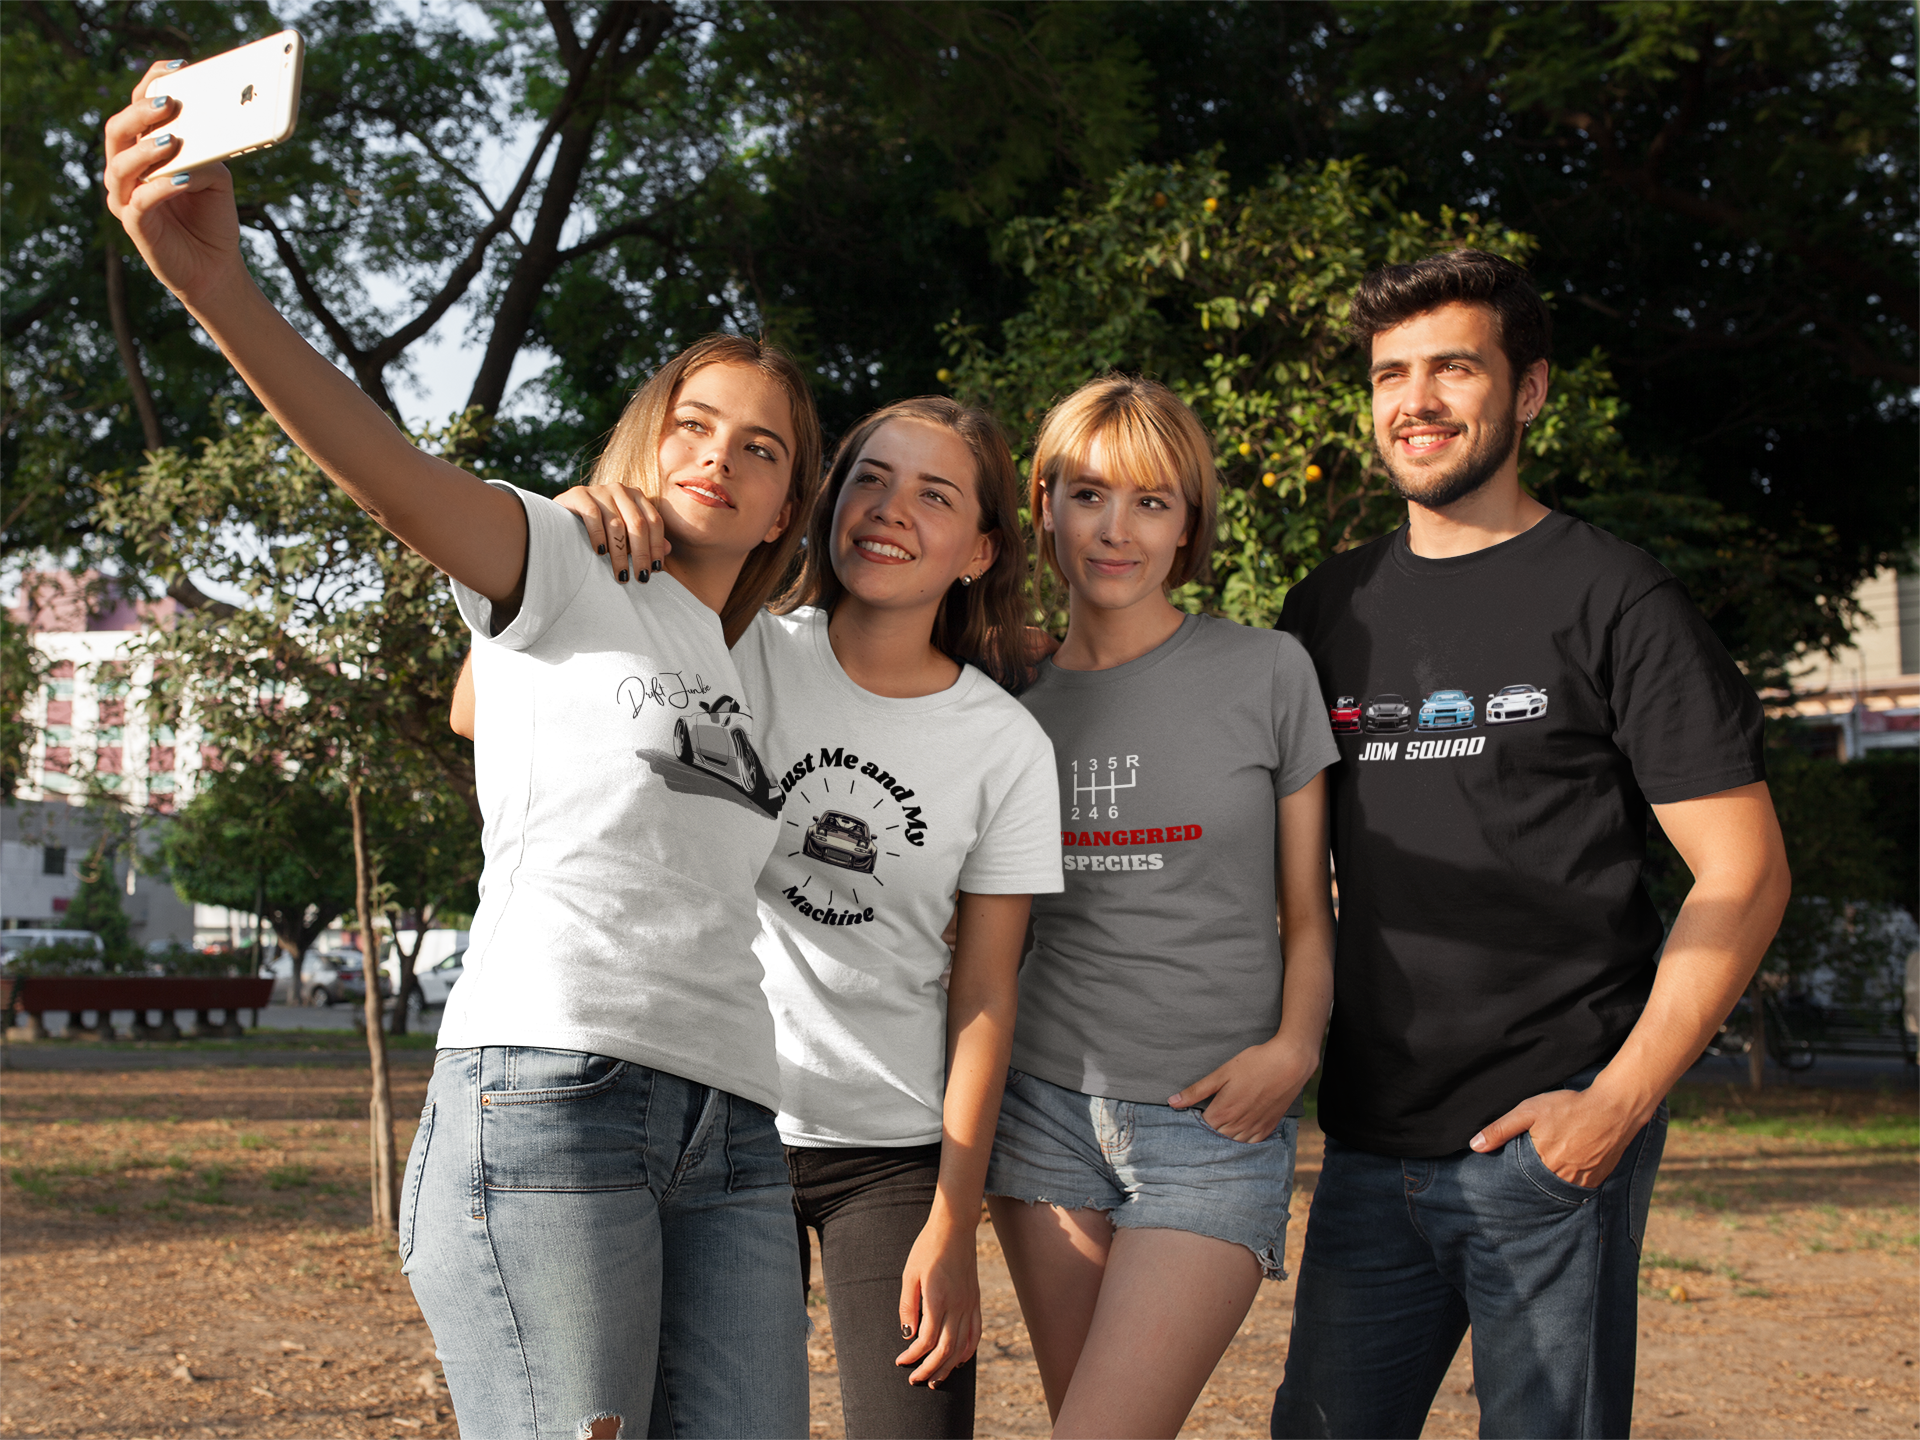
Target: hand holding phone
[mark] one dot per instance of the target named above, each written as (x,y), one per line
(243,100)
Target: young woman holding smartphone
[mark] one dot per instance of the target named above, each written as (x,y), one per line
(596,1216)
(907,775)
(1144,1154)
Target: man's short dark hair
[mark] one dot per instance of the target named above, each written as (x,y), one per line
(1394,294)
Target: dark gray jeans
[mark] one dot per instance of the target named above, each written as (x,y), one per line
(869,1205)
(1402,1255)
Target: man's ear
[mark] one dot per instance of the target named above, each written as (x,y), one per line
(1533,390)
(779,525)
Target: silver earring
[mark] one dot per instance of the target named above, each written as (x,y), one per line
(966,579)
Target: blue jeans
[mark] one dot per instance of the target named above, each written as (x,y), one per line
(590,1238)
(1402,1255)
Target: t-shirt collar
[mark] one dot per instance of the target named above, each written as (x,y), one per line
(1400,547)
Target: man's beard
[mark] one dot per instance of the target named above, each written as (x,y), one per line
(1436,489)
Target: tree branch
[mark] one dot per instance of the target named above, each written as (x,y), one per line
(366,374)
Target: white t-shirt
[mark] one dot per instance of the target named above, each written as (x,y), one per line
(890,807)
(626,816)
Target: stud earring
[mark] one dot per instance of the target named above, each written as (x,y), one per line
(966,579)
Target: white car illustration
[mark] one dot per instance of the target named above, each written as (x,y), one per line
(1515,702)
(717,740)
(843,840)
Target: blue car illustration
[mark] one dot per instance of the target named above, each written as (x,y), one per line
(1447,710)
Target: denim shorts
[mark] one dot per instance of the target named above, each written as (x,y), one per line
(1149,1167)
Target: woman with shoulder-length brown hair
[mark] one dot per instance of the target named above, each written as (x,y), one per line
(907,774)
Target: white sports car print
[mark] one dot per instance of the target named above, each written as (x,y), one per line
(717,740)
(843,840)
(1515,702)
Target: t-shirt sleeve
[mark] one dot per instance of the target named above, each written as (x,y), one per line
(1018,852)
(1299,718)
(558,557)
(1684,716)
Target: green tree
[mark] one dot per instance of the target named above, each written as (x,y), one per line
(1239,302)
(23,669)
(338,668)
(97,906)
(429,860)
(258,839)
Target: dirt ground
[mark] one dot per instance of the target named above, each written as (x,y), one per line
(185,1254)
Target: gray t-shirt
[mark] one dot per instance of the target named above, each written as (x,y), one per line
(1161,958)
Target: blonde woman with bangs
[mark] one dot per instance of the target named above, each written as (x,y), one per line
(1143,1158)
(596,1215)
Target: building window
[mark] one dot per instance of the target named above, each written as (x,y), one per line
(53,860)
(1906,591)
(107,762)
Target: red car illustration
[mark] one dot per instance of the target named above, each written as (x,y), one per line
(1345,715)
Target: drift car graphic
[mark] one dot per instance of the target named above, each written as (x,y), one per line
(841,840)
(1447,710)
(1387,713)
(1345,715)
(1515,702)
(716,740)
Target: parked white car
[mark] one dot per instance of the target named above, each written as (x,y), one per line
(331,975)
(12,942)
(438,966)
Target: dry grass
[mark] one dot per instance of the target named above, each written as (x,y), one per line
(185,1255)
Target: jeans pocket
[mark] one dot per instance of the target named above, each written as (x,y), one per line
(410,1185)
(1542,1177)
(755,1156)
(1201,1116)
(589,1134)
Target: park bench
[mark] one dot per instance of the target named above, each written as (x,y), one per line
(99,996)
(1856,1030)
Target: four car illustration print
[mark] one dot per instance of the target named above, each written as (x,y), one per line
(1389,714)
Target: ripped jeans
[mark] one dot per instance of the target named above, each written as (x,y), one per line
(603,1249)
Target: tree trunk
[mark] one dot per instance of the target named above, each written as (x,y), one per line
(1757,1051)
(123,339)
(386,1186)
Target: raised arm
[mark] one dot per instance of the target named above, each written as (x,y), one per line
(189,235)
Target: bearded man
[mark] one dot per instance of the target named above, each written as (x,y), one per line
(1508,1015)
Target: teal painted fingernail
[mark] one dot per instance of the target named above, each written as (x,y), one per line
(163,140)
(183,178)
(175,64)
(160,101)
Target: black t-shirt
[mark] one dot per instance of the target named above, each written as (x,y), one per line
(1503,718)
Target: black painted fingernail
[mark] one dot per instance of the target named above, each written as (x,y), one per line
(644,577)
(906,1332)
(175,64)
(621,577)
(656,564)
(160,101)
(599,549)
(163,140)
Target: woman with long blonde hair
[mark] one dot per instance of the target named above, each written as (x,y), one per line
(596,1215)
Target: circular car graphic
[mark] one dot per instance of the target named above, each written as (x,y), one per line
(1447,710)
(716,740)
(841,839)
(1515,702)
(1385,714)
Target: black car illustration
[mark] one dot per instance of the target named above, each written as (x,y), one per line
(840,839)
(1387,713)
(1515,702)
(716,740)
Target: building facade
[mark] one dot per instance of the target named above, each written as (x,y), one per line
(1867,698)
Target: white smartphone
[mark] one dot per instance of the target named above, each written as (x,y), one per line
(243,100)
